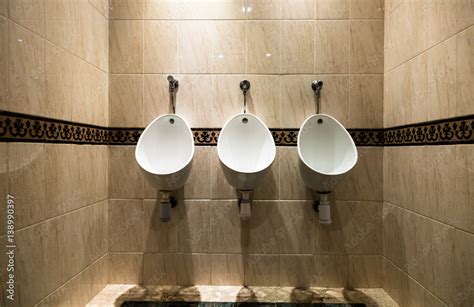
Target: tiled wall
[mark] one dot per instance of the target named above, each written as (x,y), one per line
(54,63)
(280,46)
(428,191)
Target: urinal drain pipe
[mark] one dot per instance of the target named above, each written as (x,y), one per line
(324,209)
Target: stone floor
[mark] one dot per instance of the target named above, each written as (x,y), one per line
(115,295)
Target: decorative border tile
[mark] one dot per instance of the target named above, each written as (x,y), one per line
(16,127)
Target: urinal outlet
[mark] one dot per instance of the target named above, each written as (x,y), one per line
(322,206)
(167,202)
(244,205)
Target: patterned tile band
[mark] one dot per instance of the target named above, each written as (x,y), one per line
(16,127)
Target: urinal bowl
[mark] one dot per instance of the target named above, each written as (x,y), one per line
(246,150)
(165,152)
(326,151)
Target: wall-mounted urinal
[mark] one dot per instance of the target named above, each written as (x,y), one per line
(327,152)
(246,150)
(165,152)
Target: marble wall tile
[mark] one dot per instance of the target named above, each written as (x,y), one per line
(366,101)
(126,9)
(365,271)
(330,271)
(367,9)
(198,185)
(160,269)
(331,49)
(262,233)
(297,47)
(264,47)
(227,231)
(125,268)
(156,97)
(269,188)
(4,188)
(297,222)
(126,100)
(126,46)
(159,236)
(198,9)
(102,6)
(229,51)
(264,98)
(262,270)
(367,47)
(160,47)
(195,47)
(127,180)
(30,14)
(227,99)
(4,7)
(296,100)
(161,9)
(297,9)
(264,9)
(464,69)
(194,269)
(220,188)
(4,60)
(463,250)
(227,269)
(193,100)
(194,230)
(332,9)
(125,229)
(232,9)
(465,13)
(292,185)
(335,97)
(296,270)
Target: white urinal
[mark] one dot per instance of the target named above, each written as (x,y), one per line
(246,150)
(326,152)
(165,152)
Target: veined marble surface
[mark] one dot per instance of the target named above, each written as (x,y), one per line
(115,295)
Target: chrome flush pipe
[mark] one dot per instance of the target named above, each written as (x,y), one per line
(317,85)
(173,88)
(245,86)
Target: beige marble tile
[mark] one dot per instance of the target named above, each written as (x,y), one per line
(226,228)
(269,188)
(264,9)
(161,47)
(335,97)
(220,188)
(159,236)
(4,61)
(26,71)
(296,270)
(156,97)
(193,100)
(227,99)
(195,47)
(4,8)
(262,233)
(264,47)
(28,13)
(194,269)
(102,6)
(27,183)
(464,72)
(297,100)
(366,101)
(262,270)
(197,9)
(230,9)
(365,271)
(367,45)
(297,9)
(292,185)
(4,189)
(229,54)
(463,251)
(392,280)
(356,229)
(432,300)
(363,181)
(160,269)
(126,100)
(264,98)
(297,47)
(125,181)
(332,46)
(125,225)
(126,46)
(126,9)
(465,13)
(227,269)
(367,9)
(161,9)
(125,268)
(198,185)
(330,271)
(297,220)
(332,9)
(194,221)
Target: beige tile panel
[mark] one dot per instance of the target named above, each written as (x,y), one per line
(465,14)
(193,100)
(296,270)
(126,9)
(367,9)
(292,185)
(28,13)
(332,46)
(160,47)
(126,46)
(125,268)
(227,269)
(125,176)
(297,9)
(367,46)
(365,271)
(330,271)
(464,72)
(231,9)
(102,6)
(227,229)
(269,188)
(4,188)
(227,98)
(156,98)
(264,98)
(4,7)
(366,101)
(264,47)
(159,236)
(229,54)
(126,230)
(194,269)
(126,100)
(262,233)
(297,47)
(296,100)
(161,9)
(194,230)
(220,188)
(262,270)
(160,269)
(263,9)
(296,227)
(198,185)
(332,9)
(4,61)
(195,46)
